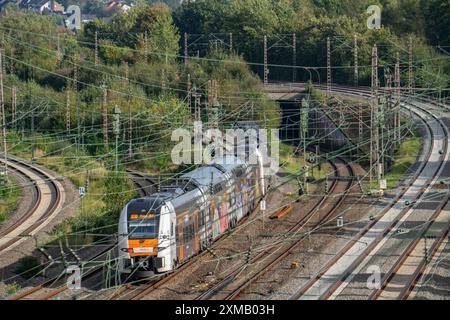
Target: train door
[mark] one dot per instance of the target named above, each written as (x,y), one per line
(238,199)
(224,213)
(244,191)
(257,186)
(208,226)
(189,236)
(195,225)
(214,214)
(180,242)
(251,189)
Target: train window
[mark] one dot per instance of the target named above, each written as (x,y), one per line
(238,172)
(205,216)
(217,188)
(144,228)
(201,217)
(185,234)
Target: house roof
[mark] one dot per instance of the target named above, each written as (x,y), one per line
(33,3)
(113,5)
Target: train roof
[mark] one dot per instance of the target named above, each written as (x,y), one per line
(146,205)
(196,179)
(202,175)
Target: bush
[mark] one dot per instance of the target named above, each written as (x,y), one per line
(12,288)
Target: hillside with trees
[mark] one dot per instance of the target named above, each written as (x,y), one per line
(65,87)
(427,22)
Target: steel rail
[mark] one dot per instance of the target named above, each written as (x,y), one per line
(231,276)
(330,291)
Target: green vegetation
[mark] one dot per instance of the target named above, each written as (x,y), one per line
(9,196)
(108,191)
(404,157)
(12,288)
(41,60)
(315,20)
(292,164)
(61,121)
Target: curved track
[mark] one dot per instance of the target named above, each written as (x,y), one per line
(49,196)
(145,184)
(342,269)
(55,285)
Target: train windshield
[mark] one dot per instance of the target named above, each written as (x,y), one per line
(143,218)
(143,229)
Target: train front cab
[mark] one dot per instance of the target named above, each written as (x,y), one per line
(145,237)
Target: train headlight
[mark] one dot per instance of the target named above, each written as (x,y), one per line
(128,250)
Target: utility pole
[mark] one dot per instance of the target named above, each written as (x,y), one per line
(185,48)
(375,143)
(58,47)
(209,101)
(304,112)
(212,99)
(2,110)
(266,69)
(328,67)
(11,63)
(210,93)
(68,108)
(14,106)
(215,90)
(355,57)
(294,57)
(381,120)
(215,114)
(130,120)
(33,132)
(389,105)
(397,126)
(116,129)
(96,48)
(75,74)
(197,111)
(410,66)
(105,114)
(4,64)
(360,124)
(189,90)
(146,47)
(75,90)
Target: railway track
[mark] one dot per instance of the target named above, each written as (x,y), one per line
(56,285)
(329,281)
(231,287)
(401,278)
(137,292)
(145,185)
(48,198)
(405,270)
